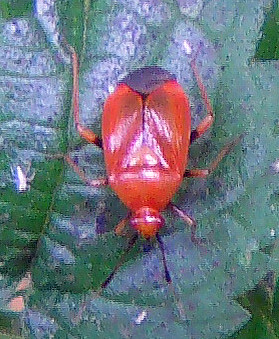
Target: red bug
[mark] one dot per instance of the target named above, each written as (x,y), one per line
(146,134)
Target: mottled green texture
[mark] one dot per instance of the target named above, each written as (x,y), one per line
(61,230)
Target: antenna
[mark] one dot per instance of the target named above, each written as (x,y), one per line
(179,305)
(161,245)
(131,243)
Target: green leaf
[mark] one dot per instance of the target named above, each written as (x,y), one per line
(15,8)
(62,230)
(268,46)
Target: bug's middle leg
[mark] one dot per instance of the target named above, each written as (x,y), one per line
(203,173)
(91,182)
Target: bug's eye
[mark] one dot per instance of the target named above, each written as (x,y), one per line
(147,221)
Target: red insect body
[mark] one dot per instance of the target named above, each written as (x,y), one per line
(145,140)
(146,134)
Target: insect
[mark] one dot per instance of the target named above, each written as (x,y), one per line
(141,317)
(146,134)
(21,178)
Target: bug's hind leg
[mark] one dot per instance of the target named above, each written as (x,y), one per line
(208,120)
(83,131)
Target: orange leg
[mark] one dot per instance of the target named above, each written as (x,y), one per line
(189,220)
(83,131)
(119,228)
(93,183)
(208,120)
(203,173)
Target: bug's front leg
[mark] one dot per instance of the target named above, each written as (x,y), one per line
(120,227)
(189,220)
